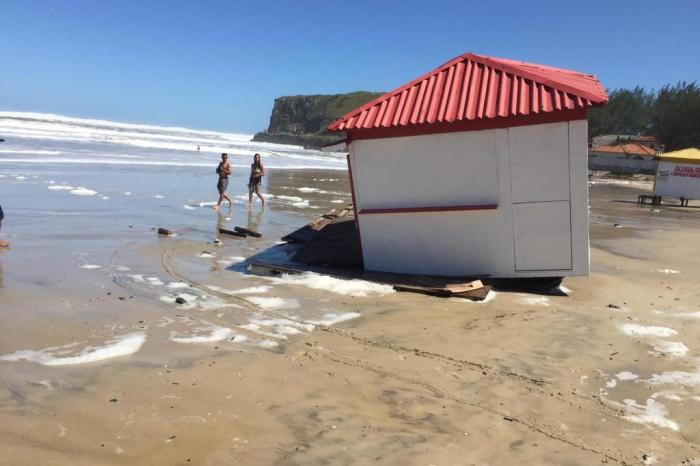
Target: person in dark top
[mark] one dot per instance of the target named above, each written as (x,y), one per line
(257,171)
(3,244)
(223,170)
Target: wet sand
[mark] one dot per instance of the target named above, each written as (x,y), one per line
(251,371)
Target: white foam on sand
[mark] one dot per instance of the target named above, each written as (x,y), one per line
(155,281)
(178,285)
(535,301)
(127,193)
(668,271)
(337,201)
(653,413)
(119,346)
(90,266)
(253,327)
(670,348)
(611,384)
(206,254)
(306,189)
(122,268)
(159,196)
(83,192)
(672,395)
(646,331)
(290,198)
(683,315)
(188,207)
(266,344)
(55,187)
(137,277)
(252,290)
(285,326)
(301,204)
(625,375)
(686,379)
(273,302)
(211,334)
(354,287)
(333,318)
(219,289)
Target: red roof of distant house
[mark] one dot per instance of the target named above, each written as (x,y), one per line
(476,87)
(627,149)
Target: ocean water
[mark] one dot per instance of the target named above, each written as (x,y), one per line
(47,138)
(82,199)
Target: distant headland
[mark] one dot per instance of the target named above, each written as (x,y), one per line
(302,119)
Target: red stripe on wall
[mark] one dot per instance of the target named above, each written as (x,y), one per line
(408,210)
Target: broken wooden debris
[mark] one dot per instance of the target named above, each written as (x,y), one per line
(474,290)
(231,233)
(247,232)
(308,232)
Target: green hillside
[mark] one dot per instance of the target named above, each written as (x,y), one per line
(303,119)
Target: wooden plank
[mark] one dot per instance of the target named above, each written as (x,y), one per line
(247,232)
(231,233)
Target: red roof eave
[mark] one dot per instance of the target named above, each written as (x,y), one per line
(474,87)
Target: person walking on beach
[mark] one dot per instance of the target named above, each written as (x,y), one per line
(257,171)
(3,243)
(223,170)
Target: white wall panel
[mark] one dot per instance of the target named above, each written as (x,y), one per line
(425,171)
(542,236)
(539,162)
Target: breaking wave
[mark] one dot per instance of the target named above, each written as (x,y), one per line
(47,138)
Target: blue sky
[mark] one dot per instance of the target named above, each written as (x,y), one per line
(220,64)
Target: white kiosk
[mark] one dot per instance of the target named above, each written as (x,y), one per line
(678,175)
(476,168)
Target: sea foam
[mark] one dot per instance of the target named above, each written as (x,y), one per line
(117,347)
(646,331)
(353,287)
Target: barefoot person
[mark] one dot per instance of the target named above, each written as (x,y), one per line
(223,170)
(257,171)
(3,244)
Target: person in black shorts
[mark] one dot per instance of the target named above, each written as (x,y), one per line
(3,244)
(224,171)
(257,171)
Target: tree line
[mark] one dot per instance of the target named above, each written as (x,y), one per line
(672,114)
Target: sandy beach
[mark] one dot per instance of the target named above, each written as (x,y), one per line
(100,365)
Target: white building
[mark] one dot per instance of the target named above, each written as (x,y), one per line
(477,168)
(678,174)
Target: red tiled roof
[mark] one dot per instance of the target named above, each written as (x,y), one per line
(627,149)
(473,87)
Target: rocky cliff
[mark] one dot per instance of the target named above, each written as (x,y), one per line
(303,119)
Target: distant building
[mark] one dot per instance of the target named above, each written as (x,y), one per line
(623,158)
(478,167)
(617,139)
